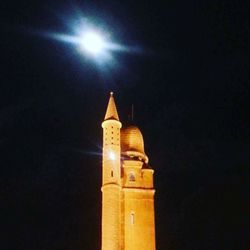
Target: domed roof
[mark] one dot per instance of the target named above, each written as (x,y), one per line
(132,143)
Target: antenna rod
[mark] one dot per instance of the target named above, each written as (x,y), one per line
(132,112)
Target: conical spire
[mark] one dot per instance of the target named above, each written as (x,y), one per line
(111,112)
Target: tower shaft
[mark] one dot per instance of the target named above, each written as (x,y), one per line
(111,188)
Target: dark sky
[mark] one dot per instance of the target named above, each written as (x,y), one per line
(190,88)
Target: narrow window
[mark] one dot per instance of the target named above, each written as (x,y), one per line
(112,173)
(132,218)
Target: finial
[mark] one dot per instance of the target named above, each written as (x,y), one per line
(111,93)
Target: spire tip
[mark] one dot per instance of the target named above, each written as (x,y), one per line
(111,112)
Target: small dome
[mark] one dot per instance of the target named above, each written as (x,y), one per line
(132,144)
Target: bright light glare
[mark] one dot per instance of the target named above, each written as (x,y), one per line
(111,155)
(92,43)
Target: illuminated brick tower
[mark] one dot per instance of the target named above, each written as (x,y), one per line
(127,187)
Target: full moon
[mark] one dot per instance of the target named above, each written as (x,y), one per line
(92,43)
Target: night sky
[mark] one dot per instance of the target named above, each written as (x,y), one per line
(189,84)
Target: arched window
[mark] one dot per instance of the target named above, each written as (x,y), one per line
(131,177)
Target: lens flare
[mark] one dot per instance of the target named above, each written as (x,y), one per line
(94,41)
(111,155)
